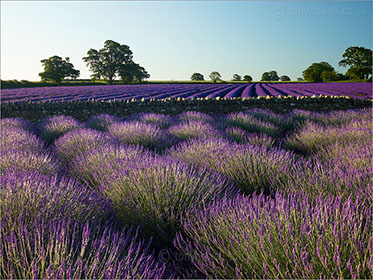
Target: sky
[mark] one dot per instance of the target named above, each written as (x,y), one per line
(174,39)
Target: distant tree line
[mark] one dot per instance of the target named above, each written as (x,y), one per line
(358,58)
(113,60)
(116,60)
(216,77)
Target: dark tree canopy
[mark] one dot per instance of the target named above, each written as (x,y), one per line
(112,60)
(360,61)
(197,77)
(215,76)
(236,77)
(56,69)
(247,78)
(314,72)
(300,79)
(285,78)
(132,72)
(270,76)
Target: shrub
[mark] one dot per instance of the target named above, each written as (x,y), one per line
(160,120)
(44,198)
(18,160)
(17,123)
(79,141)
(252,124)
(241,136)
(53,228)
(14,138)
(155,194)
(195,116)
(102,121)
(287,237)
(313,137)
(193,129)
(252,168)
(138,133)
(53,127)
(102,161)
(64,250)
(268,116)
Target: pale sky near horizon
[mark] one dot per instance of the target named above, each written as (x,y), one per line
(173,39)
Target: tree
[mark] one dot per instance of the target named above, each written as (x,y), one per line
(300,79)
(56,69)
(360,61)
(215,76)
(313,72)
(247,78)
(327,76)
(265,76)
(284,78)
(132,72)
(197,77)
(236,77)
(110,61)
(270,76)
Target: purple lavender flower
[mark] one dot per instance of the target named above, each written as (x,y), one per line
(53,127)
(253,237)
(19,139)
(241,136)
(63,249)
(252,124)
(102,161)
(17,123)
(155,193)
(34,196)
(102,121)
(250,167)
(79,141)
(138,133)
(18,160)
(195,116)
(193,129)
(160,120)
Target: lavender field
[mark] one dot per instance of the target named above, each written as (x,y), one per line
(252,194)
(187,91)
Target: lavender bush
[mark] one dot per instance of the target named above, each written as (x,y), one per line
(52,228)
(17,123)
(155,194)
(332,178)
(314,137)
(36,197)
(193,129)
(195,116)
(252,124)
(102,121)
(79,141)
(286,237)
(249,167)
(103,160)
(268,116)
(52,128)
(138,133)
(16,138)
(63,249)
(18,160)
(241,136)
(160,120)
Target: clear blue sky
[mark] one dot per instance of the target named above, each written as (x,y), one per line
(172,40)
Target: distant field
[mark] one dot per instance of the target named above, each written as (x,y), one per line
(187,91)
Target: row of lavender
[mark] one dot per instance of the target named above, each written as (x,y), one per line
(187,91)
(246,195)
